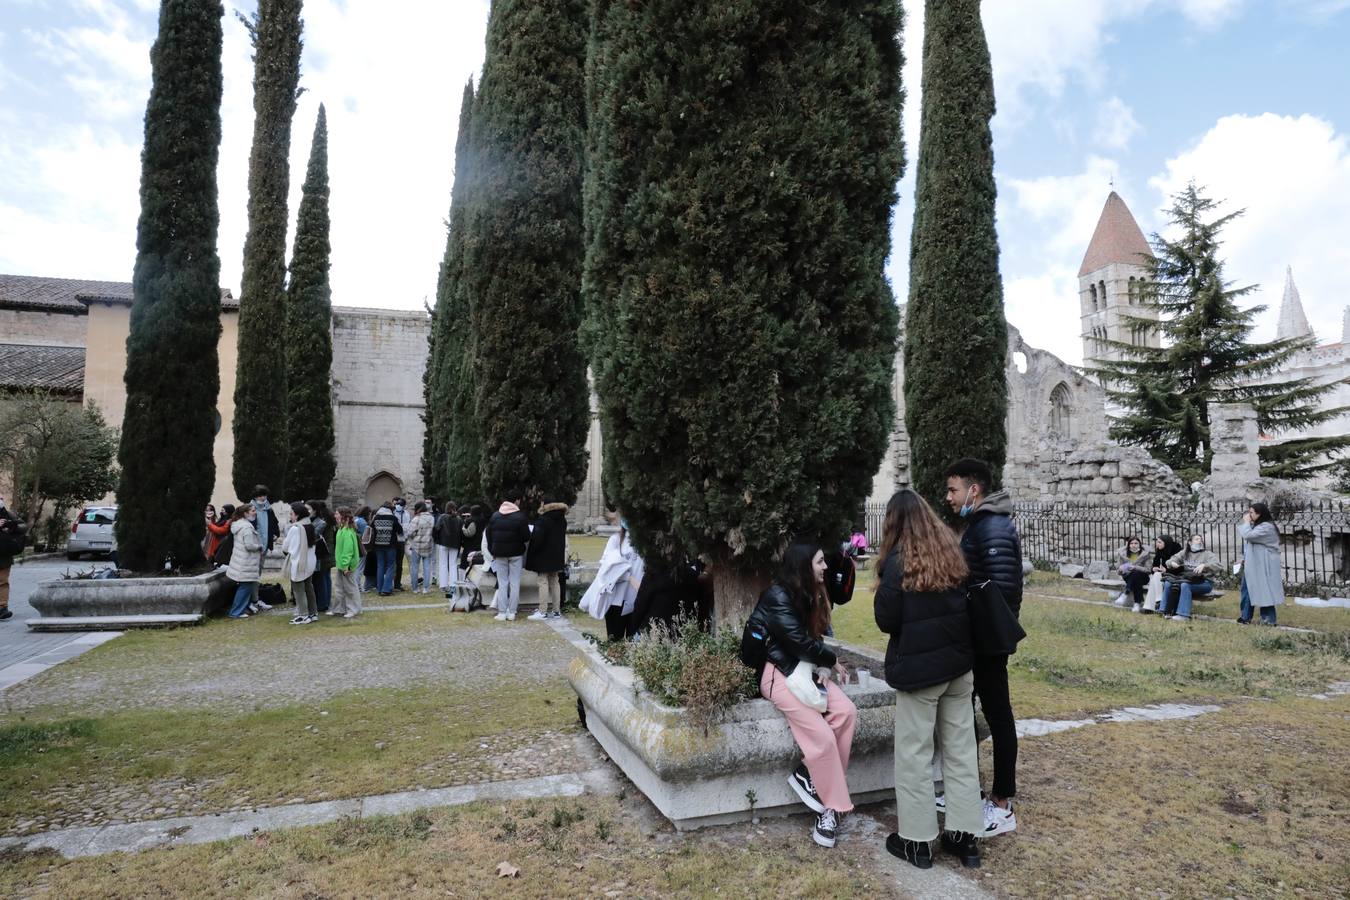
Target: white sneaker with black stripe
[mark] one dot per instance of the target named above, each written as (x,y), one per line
(998,820)
(801,783)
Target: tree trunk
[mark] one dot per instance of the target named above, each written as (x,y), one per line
(735,594)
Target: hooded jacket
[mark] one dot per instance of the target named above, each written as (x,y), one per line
(1182,566)
(929,631)
(449,531)
(548,543)
(386,528)
(508,532)
(246,555)
(299,549)
(992,548)
(418,534)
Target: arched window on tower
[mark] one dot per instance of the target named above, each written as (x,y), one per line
(1061,411)
(1092,291)
(1130,296)
(1101,289)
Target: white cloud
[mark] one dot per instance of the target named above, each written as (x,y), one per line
(1292,175)
(1116,124)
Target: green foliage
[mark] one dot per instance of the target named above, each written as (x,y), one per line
(25,738)
(450,441)
(260,377)
(956,336)
(56,452)
(699,670)
(742,167)
(523,254)
(1207,357)
(172,375)
(310,462)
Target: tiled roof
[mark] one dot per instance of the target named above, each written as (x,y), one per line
(1116,240)
(71,294)
(34,366)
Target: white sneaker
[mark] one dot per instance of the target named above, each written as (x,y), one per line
(940,802)
(1122,601)
(350,616)
(510,617)
(262,605)
(998,820)
(1178,618)
(1138,607)
(499,617)
(299,620)
(538,616)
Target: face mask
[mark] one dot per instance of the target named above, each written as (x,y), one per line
(967,508)
(623,523)
(1196,546)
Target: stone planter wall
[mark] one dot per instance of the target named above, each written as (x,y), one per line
(193,595)
(697,779)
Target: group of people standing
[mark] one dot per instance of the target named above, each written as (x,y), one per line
(1170,579)
(923,603)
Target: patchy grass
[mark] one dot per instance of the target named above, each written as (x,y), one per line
(567,848)
(590,547)
(1248,802)
(1079,658)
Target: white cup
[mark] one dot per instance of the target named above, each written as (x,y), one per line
(864,678)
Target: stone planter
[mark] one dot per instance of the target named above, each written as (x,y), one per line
(201,595)
(697,779)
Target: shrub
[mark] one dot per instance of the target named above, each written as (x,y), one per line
(698,670)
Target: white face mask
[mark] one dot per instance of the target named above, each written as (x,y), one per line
(1196,546)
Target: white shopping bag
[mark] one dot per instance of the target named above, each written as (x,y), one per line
(1154,595)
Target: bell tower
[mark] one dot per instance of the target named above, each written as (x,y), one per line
(1112,286)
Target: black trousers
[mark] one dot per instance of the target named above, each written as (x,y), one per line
(617,625)
(399,549)
(991,687)
(1136,582)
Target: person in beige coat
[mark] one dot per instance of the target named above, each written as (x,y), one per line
(245,568)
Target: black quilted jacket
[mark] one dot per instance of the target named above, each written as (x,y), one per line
(993,549)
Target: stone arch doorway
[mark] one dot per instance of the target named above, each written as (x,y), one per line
(381,488)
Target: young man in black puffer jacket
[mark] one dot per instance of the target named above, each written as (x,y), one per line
(994,553)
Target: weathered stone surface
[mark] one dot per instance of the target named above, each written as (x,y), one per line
(195,595)
(1098,570)
(1071,570)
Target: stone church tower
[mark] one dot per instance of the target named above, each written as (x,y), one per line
(1110,282)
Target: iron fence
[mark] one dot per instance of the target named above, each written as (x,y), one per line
(1314,537)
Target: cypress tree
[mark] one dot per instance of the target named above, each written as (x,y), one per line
(172,379)
(1207,357)
(260,380)
(449,327)
(956,336)
(523,258)
(744,157)
(310,463)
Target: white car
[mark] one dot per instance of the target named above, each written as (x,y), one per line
(92,532)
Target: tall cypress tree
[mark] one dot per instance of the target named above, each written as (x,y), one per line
(172,379)
(744,157)
(523,258)
(260,382)
(449,327)
(1207,357)
(956,336)
(310,463)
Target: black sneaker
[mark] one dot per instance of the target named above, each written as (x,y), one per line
(962,845)
(5,614)
(801,783)
(827,827)
(917,853)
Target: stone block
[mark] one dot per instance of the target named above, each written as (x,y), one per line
(1101,485)
(1071,570)
(193,595)
(1131,470)
(1098,570)
(1119,485)
(1110,469)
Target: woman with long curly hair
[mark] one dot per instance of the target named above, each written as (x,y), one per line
(921,603)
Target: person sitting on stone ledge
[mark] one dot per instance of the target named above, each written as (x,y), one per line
(1134,571)
(1188,576)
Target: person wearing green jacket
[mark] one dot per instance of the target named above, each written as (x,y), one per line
(347,559)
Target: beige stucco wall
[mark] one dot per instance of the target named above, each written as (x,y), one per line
(27,326)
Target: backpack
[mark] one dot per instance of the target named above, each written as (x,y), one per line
(272,594)
(224,550)
(755,642)
(12,541)
(840,576)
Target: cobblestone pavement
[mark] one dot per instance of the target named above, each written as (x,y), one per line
(241,674)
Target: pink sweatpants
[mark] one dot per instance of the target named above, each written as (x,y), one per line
(825,738)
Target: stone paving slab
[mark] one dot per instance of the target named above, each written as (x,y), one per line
(70,648)
(132,837)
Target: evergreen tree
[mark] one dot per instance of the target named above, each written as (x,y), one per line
(168,429)
(449,326)
(956,337)
(743,162)
(310,463)
(260,380)
(1207,357)
(523,256)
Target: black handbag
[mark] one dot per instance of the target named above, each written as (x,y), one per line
(994,630)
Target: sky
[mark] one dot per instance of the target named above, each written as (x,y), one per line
(1248,97)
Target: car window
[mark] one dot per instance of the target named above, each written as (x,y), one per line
(99,517)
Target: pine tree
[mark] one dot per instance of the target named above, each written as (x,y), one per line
(310,463)
(260,380)
(449,327)
(956,336)
(1207,357)
(168,429)
(523,256)
(744,159)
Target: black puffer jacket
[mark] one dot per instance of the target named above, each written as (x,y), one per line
(548,542)
(508,533)
(930,631)
(448,531)
(789,640)
(993,550)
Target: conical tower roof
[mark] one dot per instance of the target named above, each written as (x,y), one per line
(1117,239)
(1293,321)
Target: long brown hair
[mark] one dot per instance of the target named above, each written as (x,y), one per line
(929,550)
(797,577)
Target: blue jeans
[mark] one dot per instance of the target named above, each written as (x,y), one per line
(323,589)
(243,595)
(417,560)
(384,569)
(1186,591)
(1245,610)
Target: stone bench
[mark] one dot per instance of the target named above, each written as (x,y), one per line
(110,623)
(1114,586)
